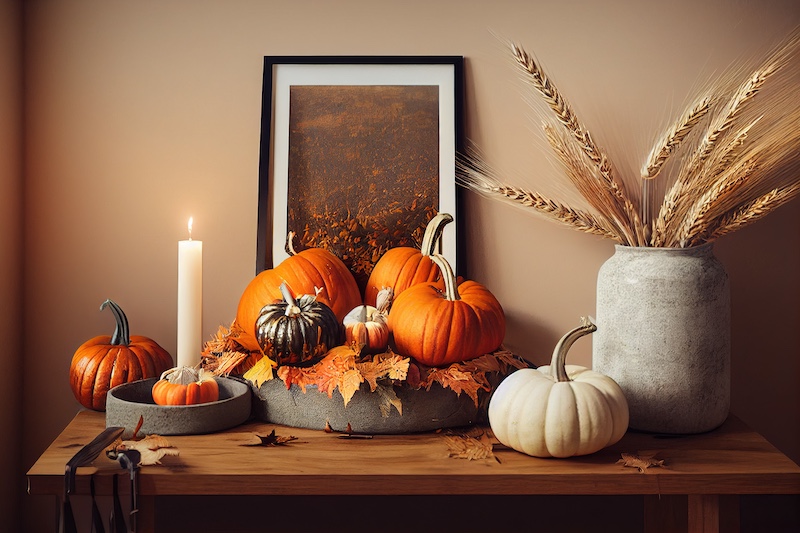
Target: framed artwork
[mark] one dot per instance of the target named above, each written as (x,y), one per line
(357,155)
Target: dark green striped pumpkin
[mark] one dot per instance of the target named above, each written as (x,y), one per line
(297,331)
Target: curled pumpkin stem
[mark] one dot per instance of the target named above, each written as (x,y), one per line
(433,233)
(558,362)
(450,285)
(122,335)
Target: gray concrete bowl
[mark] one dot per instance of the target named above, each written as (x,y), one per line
(127,402)
(423,410)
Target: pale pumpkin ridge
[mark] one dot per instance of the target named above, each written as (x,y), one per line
(561,433)
(593,418)
(611,392)
(532,403)
(501,407)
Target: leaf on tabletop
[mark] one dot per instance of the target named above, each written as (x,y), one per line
(261,372)
(470,447)
(272,440)
(152,449)
(640,462)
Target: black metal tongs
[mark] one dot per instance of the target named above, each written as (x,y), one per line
(84,457)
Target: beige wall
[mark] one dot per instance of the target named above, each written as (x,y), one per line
(144,113)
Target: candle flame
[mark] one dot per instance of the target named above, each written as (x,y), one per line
(191,221)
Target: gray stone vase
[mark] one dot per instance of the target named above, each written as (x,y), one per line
(663,334)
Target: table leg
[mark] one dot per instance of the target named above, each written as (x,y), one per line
(146,521)
(712,513)
(665,513)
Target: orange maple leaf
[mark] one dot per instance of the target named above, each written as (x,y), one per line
(349,383)
(457,380)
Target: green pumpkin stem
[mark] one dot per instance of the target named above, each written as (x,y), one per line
(450,285)
(558,363)
(122,334)
(433,233)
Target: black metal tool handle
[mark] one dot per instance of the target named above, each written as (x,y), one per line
(89,453)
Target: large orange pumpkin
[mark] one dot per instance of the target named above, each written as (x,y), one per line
(439,328)
(312,271)
(104,362)
(401,267)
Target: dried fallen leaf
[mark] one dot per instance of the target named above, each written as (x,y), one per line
(388,398)
(272,440)
(471,447)
(642,463)
(152,449)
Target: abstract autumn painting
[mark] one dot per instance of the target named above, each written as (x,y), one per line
(363,169)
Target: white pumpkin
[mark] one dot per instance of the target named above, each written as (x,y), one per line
(559,410)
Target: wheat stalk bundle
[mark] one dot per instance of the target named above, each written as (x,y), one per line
(738,159)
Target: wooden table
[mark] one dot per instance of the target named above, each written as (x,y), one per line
(708,470)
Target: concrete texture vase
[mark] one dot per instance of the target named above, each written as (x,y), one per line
(663,334)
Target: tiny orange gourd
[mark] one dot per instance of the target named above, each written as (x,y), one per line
(185,386)
(367,327)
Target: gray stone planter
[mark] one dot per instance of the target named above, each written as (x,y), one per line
(663,334)
(126,403)
(423,410)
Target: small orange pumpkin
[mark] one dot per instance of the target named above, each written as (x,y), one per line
(367,327)
(104,362)
(185,386)
(401,267)
(312,271)
(439,328)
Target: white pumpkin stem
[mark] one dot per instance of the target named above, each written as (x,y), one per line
(183,375)
(450,285)
(433,233)
(289,243)
(558,362)
(291,303)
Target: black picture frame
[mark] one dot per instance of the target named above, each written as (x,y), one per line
(347,154)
